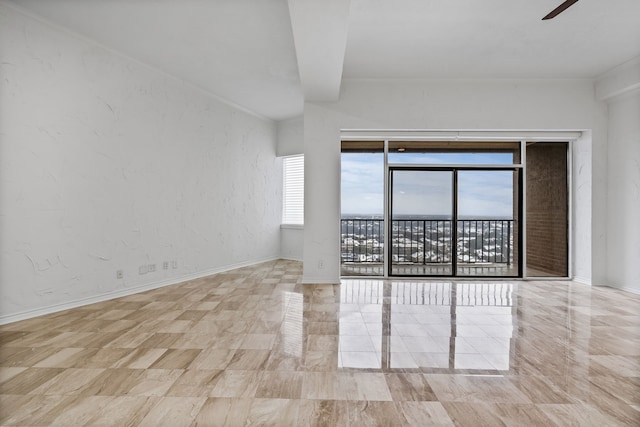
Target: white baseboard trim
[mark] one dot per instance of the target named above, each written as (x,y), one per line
(28,314)
(319,281)
(582,280)
(631,290)
(635,291)
(291,258)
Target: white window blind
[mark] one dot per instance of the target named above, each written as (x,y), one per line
(293,190)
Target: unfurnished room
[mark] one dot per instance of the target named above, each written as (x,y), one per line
(319,213)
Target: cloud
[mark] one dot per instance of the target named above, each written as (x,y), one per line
(362,183)
(480,193)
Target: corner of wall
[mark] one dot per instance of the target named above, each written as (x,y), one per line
(290,137)
(620,80)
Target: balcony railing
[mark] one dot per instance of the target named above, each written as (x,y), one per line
(428,241)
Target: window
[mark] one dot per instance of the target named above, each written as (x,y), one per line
(293,190)
(451,208)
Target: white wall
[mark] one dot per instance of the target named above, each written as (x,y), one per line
(291,143)
(620,88)
(623,202)
(454,105)
(292,242)
(107,164)
(291,137)
(585,246)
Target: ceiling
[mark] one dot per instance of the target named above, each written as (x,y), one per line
(489,38)
(270,55)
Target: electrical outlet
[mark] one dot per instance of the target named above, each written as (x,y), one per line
(320,264)
(165,265)
(119,274)
(174,264)
(152,268)
(143,269)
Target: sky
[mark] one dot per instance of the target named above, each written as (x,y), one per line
(480,193)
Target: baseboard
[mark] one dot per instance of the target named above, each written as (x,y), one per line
(28,314)
(291,258)
(582,280)
(635,291)
(306,280)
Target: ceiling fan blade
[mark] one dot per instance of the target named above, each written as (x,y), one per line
(558,10)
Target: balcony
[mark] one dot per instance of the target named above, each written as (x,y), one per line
(423,247)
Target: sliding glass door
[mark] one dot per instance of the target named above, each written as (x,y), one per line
(421,219)
(457,221)
(487,223)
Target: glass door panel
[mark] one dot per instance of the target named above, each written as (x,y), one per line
(487,223)
(362,206)
(421,217)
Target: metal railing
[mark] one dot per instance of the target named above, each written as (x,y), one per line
(428,241)
(362,240)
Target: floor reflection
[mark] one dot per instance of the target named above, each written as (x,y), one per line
(256,346)
(292,320)
(430,326)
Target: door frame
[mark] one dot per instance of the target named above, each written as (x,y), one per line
(524,137)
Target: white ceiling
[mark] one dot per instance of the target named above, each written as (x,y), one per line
(489,38)
(244,50)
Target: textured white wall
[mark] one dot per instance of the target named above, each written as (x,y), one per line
(620,88)
(290,143)
(623,203)
(454,105)
(585,244)
(291,137)
(107,164)
(292,243)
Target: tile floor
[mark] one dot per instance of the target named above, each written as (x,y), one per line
(254,347)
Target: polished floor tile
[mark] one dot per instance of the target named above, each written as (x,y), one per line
(255,347)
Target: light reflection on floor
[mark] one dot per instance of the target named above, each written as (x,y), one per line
(255,346)
(426,325)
